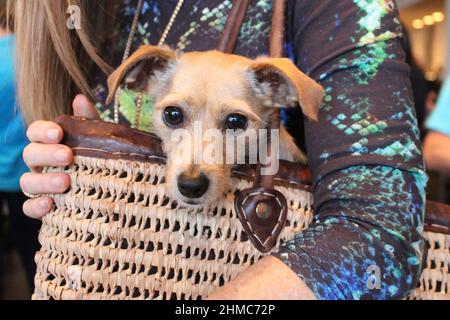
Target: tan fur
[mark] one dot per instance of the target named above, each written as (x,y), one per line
(208,86)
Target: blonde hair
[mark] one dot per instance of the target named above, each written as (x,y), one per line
(4,19)
(52,60)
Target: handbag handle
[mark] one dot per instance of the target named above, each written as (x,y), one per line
(230,33)
(261,209)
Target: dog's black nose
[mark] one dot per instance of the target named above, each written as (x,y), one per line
(193,186)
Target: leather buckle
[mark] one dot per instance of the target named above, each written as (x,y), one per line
(263,214)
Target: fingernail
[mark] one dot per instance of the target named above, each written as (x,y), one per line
(53,134)
(43,204)
(62,155)
(58,182)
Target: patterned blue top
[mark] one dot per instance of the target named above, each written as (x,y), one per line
(365,153)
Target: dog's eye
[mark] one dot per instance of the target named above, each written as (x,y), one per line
(173,116)
(236,121)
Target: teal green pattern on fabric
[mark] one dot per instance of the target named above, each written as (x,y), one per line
(370,22)
(127,108)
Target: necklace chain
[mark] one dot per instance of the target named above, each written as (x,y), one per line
(133,29)
(171,22)
(128,49)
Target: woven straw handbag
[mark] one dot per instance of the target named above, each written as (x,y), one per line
(117,234)
(435,278)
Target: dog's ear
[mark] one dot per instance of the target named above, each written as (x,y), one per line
(137,70)
(279,83)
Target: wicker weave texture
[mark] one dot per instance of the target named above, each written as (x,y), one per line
(435,278)
(117,235)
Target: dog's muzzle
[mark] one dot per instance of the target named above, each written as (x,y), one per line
(193,187)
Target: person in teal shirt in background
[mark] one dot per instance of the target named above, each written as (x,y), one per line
(12,131)
(22,233)
(437,142)
(439,120)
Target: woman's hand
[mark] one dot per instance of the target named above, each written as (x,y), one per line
(45,150)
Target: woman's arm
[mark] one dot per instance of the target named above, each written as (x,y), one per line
(268,279)
(437,142)
(364,153)
(437,151)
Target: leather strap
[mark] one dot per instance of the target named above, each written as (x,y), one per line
(277,32)
(230,33)
(437,217)
(261,209)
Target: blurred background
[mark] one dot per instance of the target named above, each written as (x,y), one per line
(429,34)
(427,43)
(428,52)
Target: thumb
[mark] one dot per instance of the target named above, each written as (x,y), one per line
(82,107)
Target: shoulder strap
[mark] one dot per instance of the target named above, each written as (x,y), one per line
(230,33)
(261,209)
(277,31)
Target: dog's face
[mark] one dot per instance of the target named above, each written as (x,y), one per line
(203,99)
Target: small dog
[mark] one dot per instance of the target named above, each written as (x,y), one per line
(218,91)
